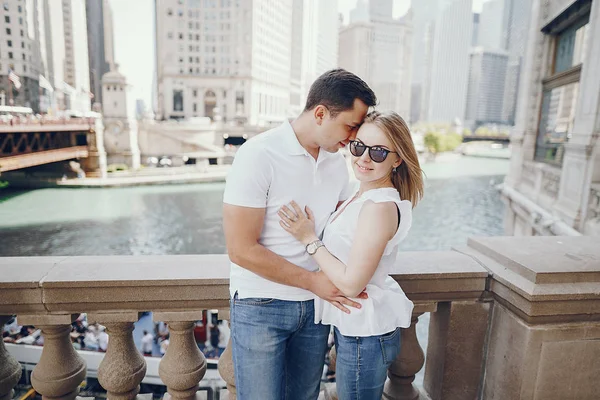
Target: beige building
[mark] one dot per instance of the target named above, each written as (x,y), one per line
(229,58)
(19,52)
(553,187)
(379,51)
(314,47)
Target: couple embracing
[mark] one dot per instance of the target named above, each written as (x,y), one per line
(310,251)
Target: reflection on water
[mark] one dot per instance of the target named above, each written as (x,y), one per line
(186,219)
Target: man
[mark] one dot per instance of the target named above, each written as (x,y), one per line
(278,350)
(147,341)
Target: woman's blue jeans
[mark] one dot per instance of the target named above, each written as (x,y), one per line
(362,364)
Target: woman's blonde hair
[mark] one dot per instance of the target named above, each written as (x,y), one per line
(407,178)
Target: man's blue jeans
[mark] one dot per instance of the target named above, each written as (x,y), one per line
(362,364)
(278,350)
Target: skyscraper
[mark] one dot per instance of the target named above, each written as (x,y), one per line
(19,52)
(518,16)
(493,25)
(228,58)
(379,51)
(486,86)
(100,43)
(67,53)
(314,46)
(447,92)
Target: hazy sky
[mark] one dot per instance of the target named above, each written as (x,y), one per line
(134,39)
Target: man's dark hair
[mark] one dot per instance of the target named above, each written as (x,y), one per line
(337,89)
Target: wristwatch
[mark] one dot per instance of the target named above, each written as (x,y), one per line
(312,247)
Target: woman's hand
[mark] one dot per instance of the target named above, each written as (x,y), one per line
(299,224)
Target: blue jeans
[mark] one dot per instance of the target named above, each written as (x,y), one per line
(278,350)
(362,364)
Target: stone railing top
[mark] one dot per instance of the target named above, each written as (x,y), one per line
(544,278)
(548,278)
(143,283)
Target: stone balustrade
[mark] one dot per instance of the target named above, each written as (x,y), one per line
(504,315)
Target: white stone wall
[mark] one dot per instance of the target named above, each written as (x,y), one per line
(566,195)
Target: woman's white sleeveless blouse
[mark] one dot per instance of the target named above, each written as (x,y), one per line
(387,306)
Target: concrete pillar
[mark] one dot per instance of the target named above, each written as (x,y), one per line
(95,164)
(60,370)
(411,359)
(455,353)
(184,365)
(544,334)
(123,367)
(10,369)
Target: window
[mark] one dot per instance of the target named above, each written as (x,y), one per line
(10,54)
(5,6)
(195,107)
(20,20)
(556,122)
(9,43)
(24,68)
(8,31)
(571,45)
(181,36)
(178,100)
(24,57)
(195,94)
(560,89)
(22,34)
(20,9)
(7,19)
(169,12)
(22,45)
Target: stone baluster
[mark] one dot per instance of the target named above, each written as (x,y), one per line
(226,363)
(123,367)
(183,365)
(10,369)
(60,370)
(411,359)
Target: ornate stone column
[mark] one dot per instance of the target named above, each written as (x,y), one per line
(184,365)
(10,369)
(123,367)
(60,370)
(410,361)
(226,363)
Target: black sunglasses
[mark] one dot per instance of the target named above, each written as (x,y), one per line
(377,153)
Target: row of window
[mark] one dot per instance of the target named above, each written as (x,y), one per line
(9,32)
(7,20)
(7,8)
(10,44)
(11,56)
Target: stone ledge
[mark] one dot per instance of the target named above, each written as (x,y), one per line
(541,280)
(191,282)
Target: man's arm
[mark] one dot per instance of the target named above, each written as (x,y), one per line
(243,226)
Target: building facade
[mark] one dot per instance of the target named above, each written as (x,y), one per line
(100,43)
(228,59)
(379,51)
(314,47)
(19,52)
(446,88)
(487,75)
(553,186)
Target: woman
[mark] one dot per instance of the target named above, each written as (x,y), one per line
(360,246)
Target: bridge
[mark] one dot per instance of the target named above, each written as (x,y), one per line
(29,142)
(487,138)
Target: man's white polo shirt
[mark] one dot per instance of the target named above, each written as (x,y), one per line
(268,172)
